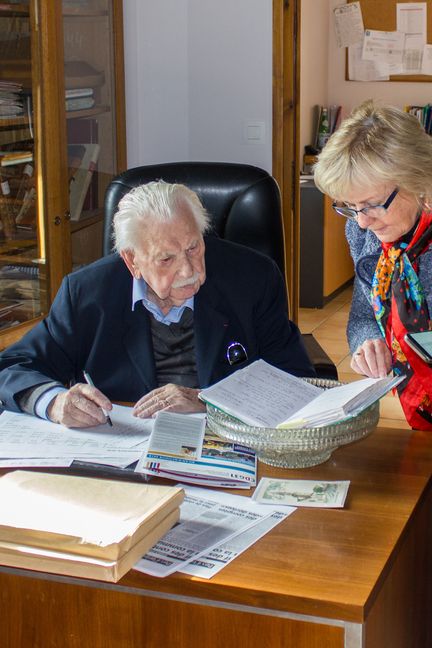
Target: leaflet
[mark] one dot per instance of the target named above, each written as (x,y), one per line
(180,449)
(210,564)
(207,519)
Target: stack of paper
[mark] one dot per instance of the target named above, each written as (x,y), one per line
(264,396)
(28,441)
(80,526)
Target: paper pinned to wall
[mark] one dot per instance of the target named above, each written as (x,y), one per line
(361,70)
(385,48)
(348,23)
(427,60)
(411,20)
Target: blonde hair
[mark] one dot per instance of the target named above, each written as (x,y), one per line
(158,201)
(377,145)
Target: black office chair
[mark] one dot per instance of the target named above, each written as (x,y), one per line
(245,207)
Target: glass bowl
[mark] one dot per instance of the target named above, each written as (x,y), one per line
(296,447)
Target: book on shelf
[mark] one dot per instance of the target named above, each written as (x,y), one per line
(79,103)
(180,449)
(264,396)
(75,93)
(10,158)
(82,164)
(81,526)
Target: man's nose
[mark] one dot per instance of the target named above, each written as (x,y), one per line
(185,269)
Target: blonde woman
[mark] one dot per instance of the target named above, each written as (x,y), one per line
(377,167)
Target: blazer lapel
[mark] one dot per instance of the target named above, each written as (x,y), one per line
(212,328)
(139,347)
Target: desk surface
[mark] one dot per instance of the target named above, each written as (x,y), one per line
(331,558)
(331,564)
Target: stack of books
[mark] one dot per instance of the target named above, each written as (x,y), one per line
(11,103)
(80,526)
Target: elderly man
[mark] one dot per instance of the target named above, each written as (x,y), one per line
(170,313)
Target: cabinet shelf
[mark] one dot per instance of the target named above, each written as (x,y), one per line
(88,112)
(83,12)
(9,10)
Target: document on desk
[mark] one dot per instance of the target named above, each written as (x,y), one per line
(207,519)
(209,564)
(24,437)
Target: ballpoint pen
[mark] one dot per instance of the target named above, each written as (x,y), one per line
(89,381)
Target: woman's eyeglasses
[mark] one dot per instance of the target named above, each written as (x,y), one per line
(376,211)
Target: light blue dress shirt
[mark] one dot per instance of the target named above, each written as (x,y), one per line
(139,293)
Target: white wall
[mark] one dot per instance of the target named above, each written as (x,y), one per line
(197,71)
(156,77)
(336,90)
(314,41)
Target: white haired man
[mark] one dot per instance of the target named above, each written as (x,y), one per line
(155,322)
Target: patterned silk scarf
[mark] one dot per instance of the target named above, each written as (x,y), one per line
(400,307)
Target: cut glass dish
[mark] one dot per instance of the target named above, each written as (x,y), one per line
(296,447)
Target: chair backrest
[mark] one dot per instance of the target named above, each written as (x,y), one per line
(242,200)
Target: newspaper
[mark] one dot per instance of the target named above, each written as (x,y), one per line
(209,520)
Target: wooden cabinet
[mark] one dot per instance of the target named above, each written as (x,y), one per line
(62,139)
(325,261)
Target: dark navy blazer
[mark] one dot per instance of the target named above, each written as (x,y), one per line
(91,326)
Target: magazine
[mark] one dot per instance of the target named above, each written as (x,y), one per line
(179,448)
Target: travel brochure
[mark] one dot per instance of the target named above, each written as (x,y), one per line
(179,448)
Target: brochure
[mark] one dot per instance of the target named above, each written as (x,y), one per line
(180,449)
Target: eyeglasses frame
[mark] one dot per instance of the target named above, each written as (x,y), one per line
(354,213)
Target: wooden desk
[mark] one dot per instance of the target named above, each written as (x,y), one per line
(353,578)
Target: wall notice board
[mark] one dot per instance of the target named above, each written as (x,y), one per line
(381,14)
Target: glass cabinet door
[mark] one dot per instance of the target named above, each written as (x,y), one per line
(23,293)
(62,139)
(89,28)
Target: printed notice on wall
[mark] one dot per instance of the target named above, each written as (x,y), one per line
(348,22)
(411,20)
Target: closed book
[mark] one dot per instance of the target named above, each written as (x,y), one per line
(95,518)
(69,564)
(83,168)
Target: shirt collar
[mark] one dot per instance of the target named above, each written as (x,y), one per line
(139,293)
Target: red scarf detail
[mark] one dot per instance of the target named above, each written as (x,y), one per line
(402,316)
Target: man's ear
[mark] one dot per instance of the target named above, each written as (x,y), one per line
(128,257)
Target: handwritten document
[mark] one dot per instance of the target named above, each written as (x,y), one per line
(259,392)
(29,439)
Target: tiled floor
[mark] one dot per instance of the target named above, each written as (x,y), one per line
(328,326)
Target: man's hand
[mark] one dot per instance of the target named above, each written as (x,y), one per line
(372,359)
(81,406)
(169,398)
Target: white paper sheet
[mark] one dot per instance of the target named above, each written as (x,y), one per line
(427,60)
(348,23)
(411,20)
(24,437)
(259,392)
(361,70)
(384,47)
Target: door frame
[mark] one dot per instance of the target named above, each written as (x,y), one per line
(285,138)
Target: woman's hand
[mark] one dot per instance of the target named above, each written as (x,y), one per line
(372,359)
(169,398)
